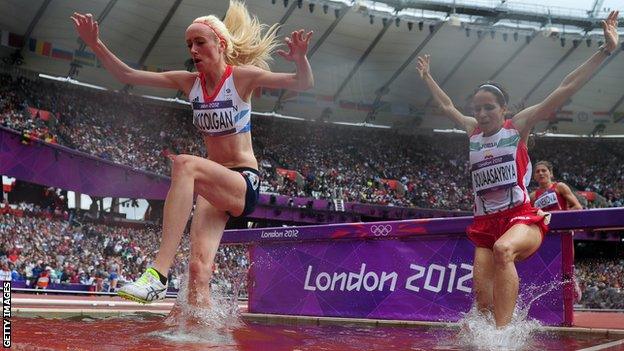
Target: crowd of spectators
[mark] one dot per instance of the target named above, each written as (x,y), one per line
(332,161)
(13,111)
(118,127)
(601,282)
(587,165)
(366,165)
(34,244)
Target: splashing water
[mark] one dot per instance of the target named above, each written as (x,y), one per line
(212,324)
(478,329)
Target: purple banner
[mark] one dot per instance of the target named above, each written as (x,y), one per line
(426,279)
(62,167)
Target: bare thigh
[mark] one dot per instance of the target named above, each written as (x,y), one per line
(520,241)
(224,188)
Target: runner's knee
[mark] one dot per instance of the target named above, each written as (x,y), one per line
(182,165)
(503,252)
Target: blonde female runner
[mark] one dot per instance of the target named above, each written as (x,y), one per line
(231,60)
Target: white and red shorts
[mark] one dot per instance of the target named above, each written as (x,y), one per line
(485,230)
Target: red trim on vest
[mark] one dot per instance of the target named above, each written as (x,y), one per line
(563,203)
(476,131)
(508,124)
(522,164)
(202,78)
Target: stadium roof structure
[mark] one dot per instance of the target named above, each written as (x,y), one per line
(363,54)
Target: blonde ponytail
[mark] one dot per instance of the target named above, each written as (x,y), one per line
(242,33)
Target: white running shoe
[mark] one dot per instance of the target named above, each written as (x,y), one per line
(146,289)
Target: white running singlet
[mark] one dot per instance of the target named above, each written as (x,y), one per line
(223,113)
(500,170)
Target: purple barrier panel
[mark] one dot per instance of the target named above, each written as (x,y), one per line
(562,220)
(395,212)
(69,287)
(21,284)
(406,228)
(288,214)
(62,167)
(283,214)
(428,279)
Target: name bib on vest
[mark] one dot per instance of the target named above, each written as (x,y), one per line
(494,174)
(546,200)
(216,117)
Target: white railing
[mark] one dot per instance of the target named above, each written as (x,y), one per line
(86,293)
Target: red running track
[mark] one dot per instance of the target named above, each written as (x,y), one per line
(602,320)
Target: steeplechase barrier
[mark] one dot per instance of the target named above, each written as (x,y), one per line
(418,270)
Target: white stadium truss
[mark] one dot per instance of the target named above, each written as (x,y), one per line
(362,54)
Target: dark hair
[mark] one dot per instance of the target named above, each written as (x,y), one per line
(546,164)
(499,92)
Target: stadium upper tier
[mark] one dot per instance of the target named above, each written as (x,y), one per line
(297,158)
(363,54)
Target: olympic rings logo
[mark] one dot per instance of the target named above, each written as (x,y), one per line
(381,229)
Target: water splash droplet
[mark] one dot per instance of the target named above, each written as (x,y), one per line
(211,324)
(478,329)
